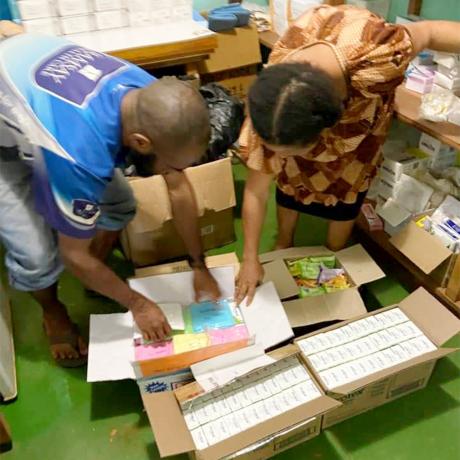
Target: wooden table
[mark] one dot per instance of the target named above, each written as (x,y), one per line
(407,104)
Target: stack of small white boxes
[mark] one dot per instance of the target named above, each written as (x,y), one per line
(77,16)
(364,347)
(249,401)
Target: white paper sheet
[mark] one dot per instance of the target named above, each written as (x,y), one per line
(111,347)
(218,371)
(178,287)
(393,213)
(266,318)
(137,37)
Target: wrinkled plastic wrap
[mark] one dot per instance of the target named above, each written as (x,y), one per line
(440,105)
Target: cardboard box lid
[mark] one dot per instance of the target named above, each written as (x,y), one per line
(431,316)
(173,437)
(359,265)
(220,260)
(238,47)
(294,253)
(278,273)
(211,182)
(424,250)
(340,305)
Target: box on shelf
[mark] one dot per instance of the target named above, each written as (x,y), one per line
(112,19)
(151,236)
(395,164)
(391,352)
(441,155)
(452,83)
(73,7)
(35,9)
(340,305)
(171,414)
(48,26)
(76,24)
(234,62)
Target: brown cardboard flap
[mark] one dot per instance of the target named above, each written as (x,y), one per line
(340,305)
(424,250)
(285,284)
(220,260)
(431,316)
(293,253)
(171,433)
(359,265)
(357,384)
(270,427)
(212,184)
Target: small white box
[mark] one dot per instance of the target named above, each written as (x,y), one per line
(73,7)
(35,9)
(110,19)
(395,166)
(442,156)
(199,438)
(161,15)
(447,82)
(213,433)
(106,5)
(386,189)
(191,419)
(47,26)
(77,24)
(139,5)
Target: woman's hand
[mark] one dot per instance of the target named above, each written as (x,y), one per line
(250,276)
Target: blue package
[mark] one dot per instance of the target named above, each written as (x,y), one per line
(211,315)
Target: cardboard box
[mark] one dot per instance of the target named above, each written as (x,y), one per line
(261,441)
(341,305)
(165,382)
(77,24)
(110,19)
(236,48)
(434,260)
(151,236)
(73,7)
(111,353)
(361,395)
(35,9)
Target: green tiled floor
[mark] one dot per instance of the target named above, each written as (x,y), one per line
(58,416)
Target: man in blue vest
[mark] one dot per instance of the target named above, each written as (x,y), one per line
(68,115)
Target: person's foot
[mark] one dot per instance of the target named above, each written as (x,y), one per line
(66,344)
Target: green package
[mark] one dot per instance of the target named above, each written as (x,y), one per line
(310,292)
(327,261)
(310,270)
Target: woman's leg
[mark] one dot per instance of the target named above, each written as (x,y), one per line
(338,233)
(287,223)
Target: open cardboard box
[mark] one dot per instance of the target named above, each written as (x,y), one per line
(111,344)
(435,259)
(258,442)
(151,236)
(341,305)
(437,323)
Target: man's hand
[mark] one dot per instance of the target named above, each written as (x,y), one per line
(10,28)
(151,320)
(206,287)
(250,276)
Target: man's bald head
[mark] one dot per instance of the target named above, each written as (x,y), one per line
(173,116)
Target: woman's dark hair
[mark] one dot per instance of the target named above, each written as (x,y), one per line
(290,104)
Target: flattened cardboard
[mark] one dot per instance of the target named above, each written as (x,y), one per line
(220,260)
(359,265)
(341,305)
(424,250)
(278,273)
(294,253)
(431,316)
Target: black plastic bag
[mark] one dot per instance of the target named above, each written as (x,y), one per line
(226,114)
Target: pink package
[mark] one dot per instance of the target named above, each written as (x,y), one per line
(420,80)
(229,334)
(153,350)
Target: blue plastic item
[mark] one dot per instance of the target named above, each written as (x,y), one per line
(228,17)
